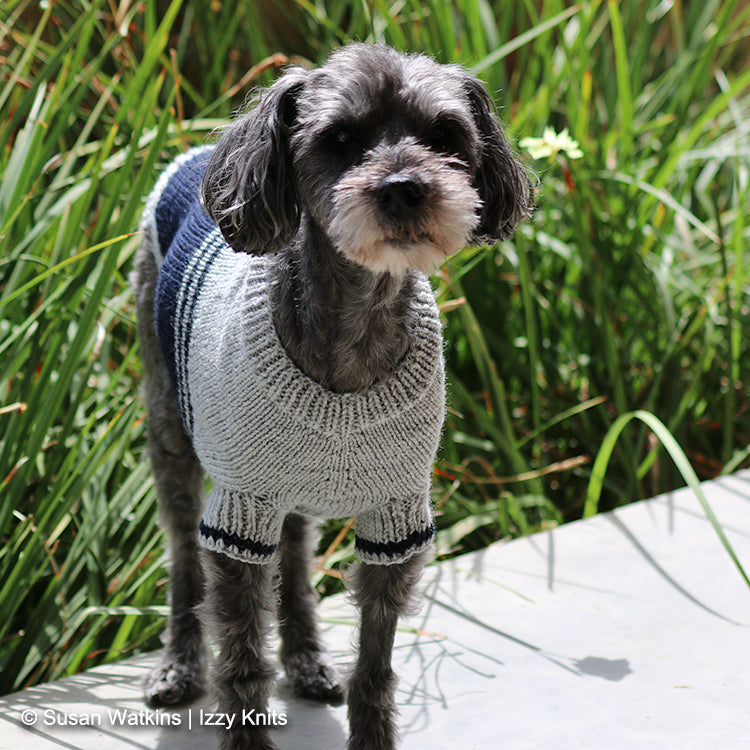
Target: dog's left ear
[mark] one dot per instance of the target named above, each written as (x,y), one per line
(248,187)
(503,183)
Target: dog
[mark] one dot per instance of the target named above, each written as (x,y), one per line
(293,350)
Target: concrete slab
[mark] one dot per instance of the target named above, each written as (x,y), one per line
(628,630)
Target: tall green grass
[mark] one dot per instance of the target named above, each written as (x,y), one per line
(626,294)
(85,120)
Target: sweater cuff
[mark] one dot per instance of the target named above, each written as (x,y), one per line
(394,532)
(242,527)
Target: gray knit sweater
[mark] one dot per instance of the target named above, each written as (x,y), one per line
(273,440)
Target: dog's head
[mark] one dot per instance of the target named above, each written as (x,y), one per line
(400,161)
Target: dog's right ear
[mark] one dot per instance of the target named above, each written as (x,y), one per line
(248,188)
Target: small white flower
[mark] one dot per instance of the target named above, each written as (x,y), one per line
(551,144)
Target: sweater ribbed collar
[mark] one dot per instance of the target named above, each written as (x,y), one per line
(420,371)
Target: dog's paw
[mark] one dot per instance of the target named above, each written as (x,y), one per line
(312,676)
(360,741)
(173,683)
(245,738)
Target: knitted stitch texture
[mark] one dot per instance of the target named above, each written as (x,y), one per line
(273,440)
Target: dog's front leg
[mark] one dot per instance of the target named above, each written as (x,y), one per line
(383,592)
(239,608)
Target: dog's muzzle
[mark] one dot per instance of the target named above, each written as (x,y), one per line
(403,207)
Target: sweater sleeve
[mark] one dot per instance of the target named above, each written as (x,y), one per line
(245,528)
(395,531)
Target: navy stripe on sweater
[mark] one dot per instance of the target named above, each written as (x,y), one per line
(395,549)
(256,549)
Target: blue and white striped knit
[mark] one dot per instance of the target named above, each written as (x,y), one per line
(273,440)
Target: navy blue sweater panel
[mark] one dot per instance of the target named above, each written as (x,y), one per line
(182,228)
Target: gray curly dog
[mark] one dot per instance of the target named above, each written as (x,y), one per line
(292,350)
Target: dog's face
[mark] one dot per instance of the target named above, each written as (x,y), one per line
(399,161)
(385,150)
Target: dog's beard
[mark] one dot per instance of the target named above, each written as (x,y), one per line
(438,229)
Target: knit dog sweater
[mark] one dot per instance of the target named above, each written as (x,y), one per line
(273,440)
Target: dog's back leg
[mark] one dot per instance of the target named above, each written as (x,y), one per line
(179,483)
(306,661)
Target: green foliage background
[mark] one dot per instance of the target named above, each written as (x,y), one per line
(626,291)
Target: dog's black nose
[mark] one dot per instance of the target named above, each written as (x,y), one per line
(399,195)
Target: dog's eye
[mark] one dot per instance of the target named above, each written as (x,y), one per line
(340,136)
(445,136)
(439,132)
